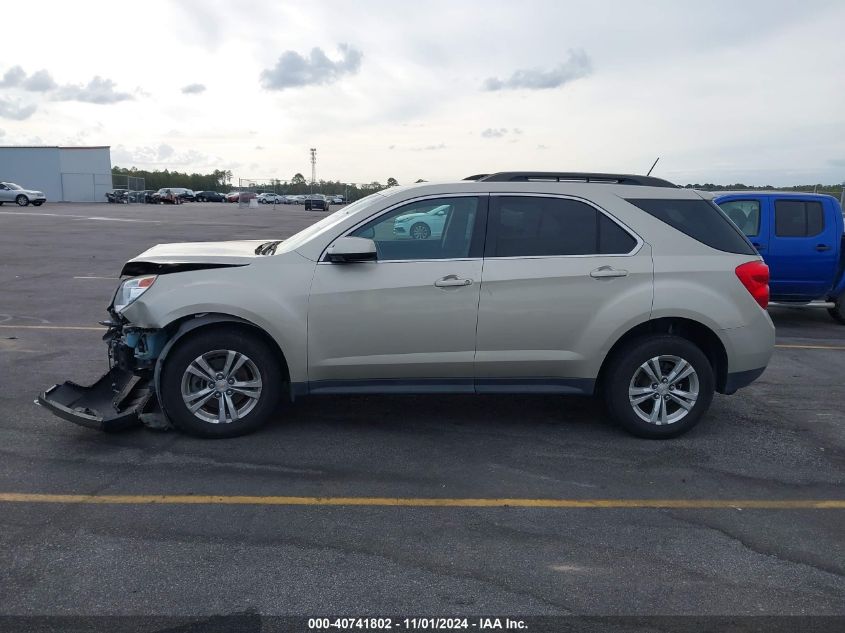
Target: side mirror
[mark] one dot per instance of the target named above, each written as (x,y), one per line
(352,249)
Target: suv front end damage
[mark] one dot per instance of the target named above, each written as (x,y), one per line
(118,399)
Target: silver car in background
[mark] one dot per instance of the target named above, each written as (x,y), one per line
(10,192)
(620,286)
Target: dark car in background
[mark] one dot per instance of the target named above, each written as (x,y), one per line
(167,195)
(117,196)
(238,196)
(209,196)
(316,202)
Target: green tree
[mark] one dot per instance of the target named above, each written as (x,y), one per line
(392,182)
(298,179)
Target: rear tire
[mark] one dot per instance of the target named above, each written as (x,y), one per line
(838,310)
(645,397)
(237,397)
(420,231)
(22,200)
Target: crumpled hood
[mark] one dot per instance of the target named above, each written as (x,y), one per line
(193,256)
(238,251)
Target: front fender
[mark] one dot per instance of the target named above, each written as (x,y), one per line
(184,328)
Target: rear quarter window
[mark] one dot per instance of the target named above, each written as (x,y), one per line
(699,219)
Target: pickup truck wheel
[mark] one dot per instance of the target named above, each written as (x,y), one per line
(659,387)
(838,309)
(220,384)
(22,200)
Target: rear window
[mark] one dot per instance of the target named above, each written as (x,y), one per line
(701,220)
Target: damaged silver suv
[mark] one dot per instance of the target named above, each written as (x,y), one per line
(621,286)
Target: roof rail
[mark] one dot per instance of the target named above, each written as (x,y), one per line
(554,176)
(476,177)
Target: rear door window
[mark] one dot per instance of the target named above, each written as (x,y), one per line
(528,226)
(798,218)
(699,219)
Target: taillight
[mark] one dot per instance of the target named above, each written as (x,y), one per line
(755,277)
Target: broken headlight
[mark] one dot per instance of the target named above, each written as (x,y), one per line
(130,290)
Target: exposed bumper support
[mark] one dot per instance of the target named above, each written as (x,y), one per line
(113,403)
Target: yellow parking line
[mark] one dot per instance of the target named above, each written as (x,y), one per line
(786,346)
(692,504)
(52,327)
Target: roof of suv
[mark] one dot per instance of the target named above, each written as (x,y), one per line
(572,176)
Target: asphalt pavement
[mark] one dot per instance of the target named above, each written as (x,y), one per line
(780,441)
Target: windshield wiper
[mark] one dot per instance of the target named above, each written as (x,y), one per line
(267,248)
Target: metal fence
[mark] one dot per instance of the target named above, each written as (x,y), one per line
(127,189)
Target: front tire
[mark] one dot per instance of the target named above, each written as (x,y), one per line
(22,200)
(220,383)
(659,387)
(838,310)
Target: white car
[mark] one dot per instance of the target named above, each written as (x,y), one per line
(626,287)
(10,192)
(422,225)
(270,198)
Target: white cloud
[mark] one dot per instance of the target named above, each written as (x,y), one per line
(293,70)
(429,148)
(15,110)
(13,77)
(193,89)
(494,132)
(98,90)
(577,66)
(39,81)
(164,156)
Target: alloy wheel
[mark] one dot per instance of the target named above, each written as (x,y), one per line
(663,390)
(221,386)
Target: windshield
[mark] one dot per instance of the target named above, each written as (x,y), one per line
(298,239)
(12,185)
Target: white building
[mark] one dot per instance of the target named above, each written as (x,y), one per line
(64,174)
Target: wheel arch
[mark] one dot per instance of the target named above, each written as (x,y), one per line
(694,331)
(179,329)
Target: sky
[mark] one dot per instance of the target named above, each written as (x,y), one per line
(723,92)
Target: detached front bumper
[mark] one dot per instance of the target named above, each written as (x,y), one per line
(113,403)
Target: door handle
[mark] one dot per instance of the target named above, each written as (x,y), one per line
(822,247)
(759,247)
(607,272)
(452,281)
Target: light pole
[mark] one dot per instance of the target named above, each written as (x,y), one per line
(313,169)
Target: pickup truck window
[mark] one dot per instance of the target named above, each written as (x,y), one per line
(745,214)
(699,219)
(798,218)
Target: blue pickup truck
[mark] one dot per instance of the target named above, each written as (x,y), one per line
(802,238)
